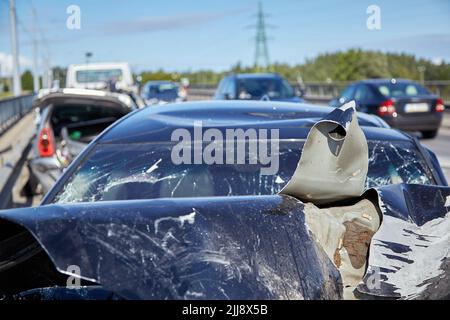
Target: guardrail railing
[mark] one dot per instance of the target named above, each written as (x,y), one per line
(12,109)
(332,90)
(324,91)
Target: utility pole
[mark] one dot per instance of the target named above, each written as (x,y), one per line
(261,51)
(48,75)
(422,70)
(17,87)
(35,54)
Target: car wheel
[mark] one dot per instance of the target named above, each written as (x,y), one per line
(430,134)
(30,189)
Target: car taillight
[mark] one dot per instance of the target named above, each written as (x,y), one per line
(46,147)
(440,105)
(387,108)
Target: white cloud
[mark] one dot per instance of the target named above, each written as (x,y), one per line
(437,61)
(6,64)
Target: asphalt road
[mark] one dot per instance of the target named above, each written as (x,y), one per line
(441,145)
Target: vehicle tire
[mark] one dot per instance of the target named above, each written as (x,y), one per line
(30,189)
(430,134)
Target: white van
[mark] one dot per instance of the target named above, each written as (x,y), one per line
(98,75)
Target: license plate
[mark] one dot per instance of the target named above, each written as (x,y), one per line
(416,107)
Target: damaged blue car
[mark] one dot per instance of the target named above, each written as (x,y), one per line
(237,200)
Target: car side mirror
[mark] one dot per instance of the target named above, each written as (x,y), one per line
(226,96)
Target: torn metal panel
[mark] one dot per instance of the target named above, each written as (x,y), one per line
(410,254)
(203,248)
(345,233)
(334,161)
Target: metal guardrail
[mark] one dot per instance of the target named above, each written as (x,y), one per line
(330,90)
(12,109)
(203,93)
(13,156)
(322,92)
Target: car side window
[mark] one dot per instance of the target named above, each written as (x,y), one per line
(221,88)
(229,88)
(348,93)
(361,93)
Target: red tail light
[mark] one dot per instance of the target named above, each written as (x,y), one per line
(440,105)
(387,108)
(46,146)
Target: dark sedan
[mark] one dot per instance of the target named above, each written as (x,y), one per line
(256,86)
(403,104)
(160,92)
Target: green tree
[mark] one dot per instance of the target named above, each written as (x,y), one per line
(27,81)
(350,65)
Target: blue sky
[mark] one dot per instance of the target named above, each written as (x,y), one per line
(214,34)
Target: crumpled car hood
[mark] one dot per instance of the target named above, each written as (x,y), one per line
(211,248)
(243,247)
(409,255)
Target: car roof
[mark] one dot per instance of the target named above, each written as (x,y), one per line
(256,75)
(99,65)
(159,82)
(381,81)
(294,120)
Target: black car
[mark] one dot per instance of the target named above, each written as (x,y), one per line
(403,104)
(160,92)
(132,222)
(256,86)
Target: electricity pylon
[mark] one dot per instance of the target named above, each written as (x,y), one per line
(261,51)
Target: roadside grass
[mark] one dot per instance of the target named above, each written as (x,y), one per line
(5,94)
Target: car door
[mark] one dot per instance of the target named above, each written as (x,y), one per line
(365,98)
(221,89)
(229,89)
(360,97)
(346,96)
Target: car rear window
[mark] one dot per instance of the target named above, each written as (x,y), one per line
(401,89)
(256,88)
(75,117)
(86,76)
(145,171)
(161,89)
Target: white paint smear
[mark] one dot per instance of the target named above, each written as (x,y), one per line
(181,220)
(429,244)
(447,201)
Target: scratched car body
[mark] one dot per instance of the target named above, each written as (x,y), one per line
(132,225)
